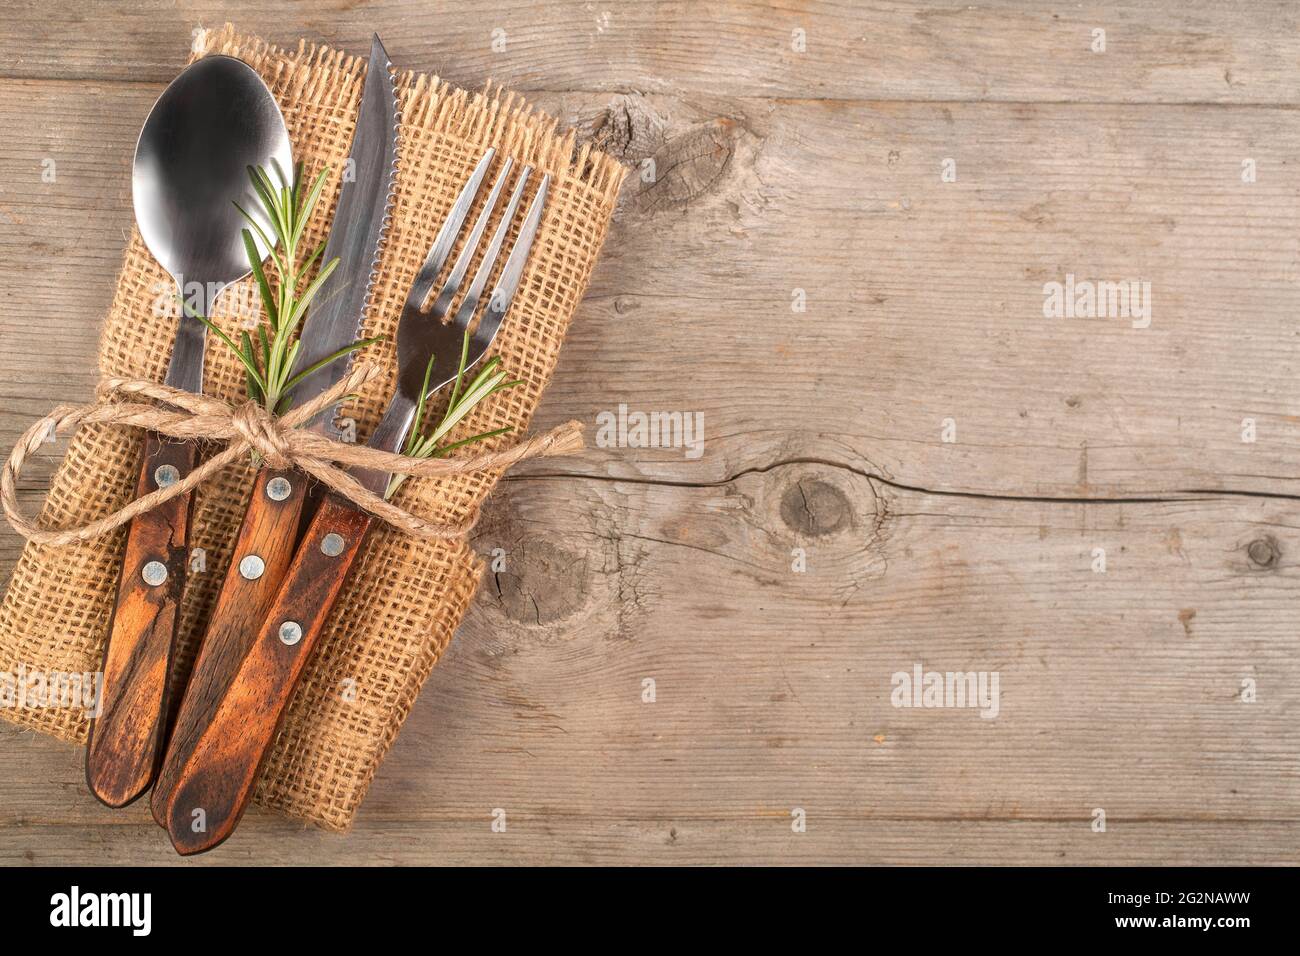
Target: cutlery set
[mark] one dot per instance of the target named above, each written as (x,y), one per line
(201,749)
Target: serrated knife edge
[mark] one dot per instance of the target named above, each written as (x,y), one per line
(338,316)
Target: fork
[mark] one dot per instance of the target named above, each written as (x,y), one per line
(215,785)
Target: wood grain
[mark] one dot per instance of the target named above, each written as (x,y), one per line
(127,735)
(933,288)
(1161,691)
(842,840)
(215,783)
(1195,51)
(772,686)
(269,532)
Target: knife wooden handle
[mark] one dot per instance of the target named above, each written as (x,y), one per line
(216,783)
(263,548)
(127,734)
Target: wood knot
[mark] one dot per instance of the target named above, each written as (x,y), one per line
(815,508)
(687,166)
(532,580)
(629,128)
(1264,552)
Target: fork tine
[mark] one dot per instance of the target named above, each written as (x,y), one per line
(469,305)
(446,237)
(457,275)
(504,292)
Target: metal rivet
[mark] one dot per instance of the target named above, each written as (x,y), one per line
(165,475)
(251,567)
(154,573)
(332,544)
(290,633)
(277,489)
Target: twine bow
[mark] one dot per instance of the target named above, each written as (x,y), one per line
(279,440)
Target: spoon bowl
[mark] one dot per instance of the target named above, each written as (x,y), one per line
(191,167)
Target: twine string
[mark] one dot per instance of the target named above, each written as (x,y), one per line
(281,441)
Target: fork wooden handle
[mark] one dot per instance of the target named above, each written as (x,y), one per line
(263,548)
(216,783)
(127,734)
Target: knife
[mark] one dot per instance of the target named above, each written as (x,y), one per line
(269,531)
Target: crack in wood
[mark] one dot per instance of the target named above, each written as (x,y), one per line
(1182,495)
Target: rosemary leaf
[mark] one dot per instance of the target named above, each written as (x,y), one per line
(261,233)
(267,193)
(307,263)
(254,384)
(312,195)
(413,439)
(473,438)
(228,341)
(460,371)
(263,287)
(300,305)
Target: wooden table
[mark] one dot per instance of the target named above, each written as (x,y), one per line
(834,246)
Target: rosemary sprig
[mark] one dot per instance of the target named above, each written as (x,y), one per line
(268,362)
(489,380)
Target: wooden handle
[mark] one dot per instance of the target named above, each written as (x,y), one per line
(263,548)
(216,783)
(127,734)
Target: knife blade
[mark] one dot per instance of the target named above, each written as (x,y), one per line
(361,222)
(269,531)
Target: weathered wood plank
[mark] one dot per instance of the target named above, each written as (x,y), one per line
(1120,690)
(1197,51)
(823,171)
(924,298)
(763,839)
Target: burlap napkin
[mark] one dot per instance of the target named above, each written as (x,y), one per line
(406,597)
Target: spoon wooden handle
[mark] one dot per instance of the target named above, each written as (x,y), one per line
(216,783)
(257,566)
(127,734)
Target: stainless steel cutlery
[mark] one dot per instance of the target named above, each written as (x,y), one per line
(276,501)
(191,191)
(217,780)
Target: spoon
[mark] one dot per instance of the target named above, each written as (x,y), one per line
(191,167)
